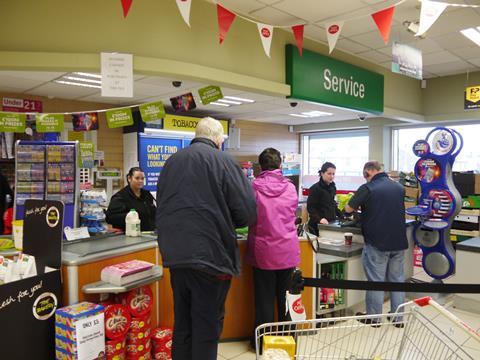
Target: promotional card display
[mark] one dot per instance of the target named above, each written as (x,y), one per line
(183,102)
(439,201)
(47,171)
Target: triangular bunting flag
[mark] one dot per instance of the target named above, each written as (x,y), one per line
(298,33)
(430,12)
(184,7)
(383,19)
(126,7)
(225,20)
(266,34)
(333,30)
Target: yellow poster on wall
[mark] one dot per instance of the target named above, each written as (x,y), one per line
(472,97)
(75,135)
(186,123)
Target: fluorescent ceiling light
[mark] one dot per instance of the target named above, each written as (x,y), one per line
(229,102)
(74,78)
(97,76)
(239,99)
(219,104)
(77,84)
(312,114)
(473,34)
(299,115)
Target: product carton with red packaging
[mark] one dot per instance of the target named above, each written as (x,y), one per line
(117,321)
(139,301)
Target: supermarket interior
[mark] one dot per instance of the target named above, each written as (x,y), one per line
(328,172)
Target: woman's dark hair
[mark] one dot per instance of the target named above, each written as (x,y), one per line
(132,171)
(270,159)
(325,167)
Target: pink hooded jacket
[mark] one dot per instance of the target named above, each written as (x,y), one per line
(272,241)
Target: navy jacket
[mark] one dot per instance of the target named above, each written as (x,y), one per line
(202,196)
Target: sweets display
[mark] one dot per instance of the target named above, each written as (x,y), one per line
(162,343)
(139,301)
(117,321)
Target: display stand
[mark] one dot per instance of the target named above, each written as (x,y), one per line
(27,306)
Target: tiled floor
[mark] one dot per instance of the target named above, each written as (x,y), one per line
(350,339)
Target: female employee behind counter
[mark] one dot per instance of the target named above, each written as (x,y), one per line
(321,205)
(130,197)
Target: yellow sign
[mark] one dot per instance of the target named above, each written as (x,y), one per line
(186,123)
(75,135)
(472,93)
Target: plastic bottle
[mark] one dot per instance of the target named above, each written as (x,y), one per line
(132,223)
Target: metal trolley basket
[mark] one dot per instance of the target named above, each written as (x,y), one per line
(410,333)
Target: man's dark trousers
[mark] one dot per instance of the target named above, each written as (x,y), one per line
(199,308)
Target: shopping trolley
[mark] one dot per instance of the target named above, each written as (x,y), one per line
(412,332)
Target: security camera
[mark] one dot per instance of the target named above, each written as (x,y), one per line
(361,117)
(176,83)
(293,104)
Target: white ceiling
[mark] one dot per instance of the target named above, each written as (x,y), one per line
(445,52)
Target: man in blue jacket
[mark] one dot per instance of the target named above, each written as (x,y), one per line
(202,196)
(384,232)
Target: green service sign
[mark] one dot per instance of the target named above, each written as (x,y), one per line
(322,79)
(49,122)
(152,111)
(86,151)
(12,122)
(210,94)
(119,117)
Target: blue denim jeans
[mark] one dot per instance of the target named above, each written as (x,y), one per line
(383,266)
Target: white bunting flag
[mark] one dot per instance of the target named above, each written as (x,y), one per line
(333,30)
(266,34)
(430,12)
(184,7)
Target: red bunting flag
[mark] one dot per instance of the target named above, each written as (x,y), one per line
(298,33)
(383,19)
(225,20)
(126,7)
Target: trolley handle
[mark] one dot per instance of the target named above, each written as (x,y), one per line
(423,301)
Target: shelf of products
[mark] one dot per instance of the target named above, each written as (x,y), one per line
(92,215)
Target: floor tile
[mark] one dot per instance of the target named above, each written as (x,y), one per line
(232,349)
(249,355)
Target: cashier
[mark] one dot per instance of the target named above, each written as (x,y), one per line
(321,205)
(132,196)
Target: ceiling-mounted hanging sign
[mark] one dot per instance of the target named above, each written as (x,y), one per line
(186,123)
(12,122)
(333,30)
(152,111)
(407,60)
(266,34)
(117,75)
(85,121)
(325,80)
(119,117)
(184,8)
(472,97)
(210,94)
(429,13)
(21,105)
(50,122)
(298,33)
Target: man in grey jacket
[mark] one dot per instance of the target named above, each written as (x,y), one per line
(202,196)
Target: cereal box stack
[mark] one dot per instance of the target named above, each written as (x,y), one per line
(65,330)
(117,324)
(139,304)
(162,343)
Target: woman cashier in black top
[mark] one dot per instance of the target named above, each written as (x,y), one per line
(321,205)
(132,196)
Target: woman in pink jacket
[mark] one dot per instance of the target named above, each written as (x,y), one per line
(272,247)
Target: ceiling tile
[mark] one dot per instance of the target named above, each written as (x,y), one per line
(358,26)
(271,2)
(351,46)
(273,16)
(475,61)
(371,40)
(425,45)
(244,7)
(468,53)
(439,57)
(62,91)
(454,21)
(33,75)
(167,83)
(375,56)
(453,67)
(453,40)
(316,33)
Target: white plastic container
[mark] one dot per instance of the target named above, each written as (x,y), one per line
(132,223)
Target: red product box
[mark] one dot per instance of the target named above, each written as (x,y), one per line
(139,323)
(134,337)
(114,347)
(162,335)
(139,301)
(117,321)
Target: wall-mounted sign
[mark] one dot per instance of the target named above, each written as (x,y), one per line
(152,111)
(325,80)
(49,122)
(11,122)
(472,97)
(186,123)
(210,94)
(117,75)
(407,60)
(119,117)
(21,105)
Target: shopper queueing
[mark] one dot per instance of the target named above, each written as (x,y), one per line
(204,196)
(6,196)
(321,205)
(272,247)
(384,232)
(132,196)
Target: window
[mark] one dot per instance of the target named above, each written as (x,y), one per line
(348,150)
(403,140)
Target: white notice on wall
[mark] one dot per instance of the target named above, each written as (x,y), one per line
(90,337)
(117,75)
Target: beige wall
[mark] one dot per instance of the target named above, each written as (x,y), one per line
(256,136)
